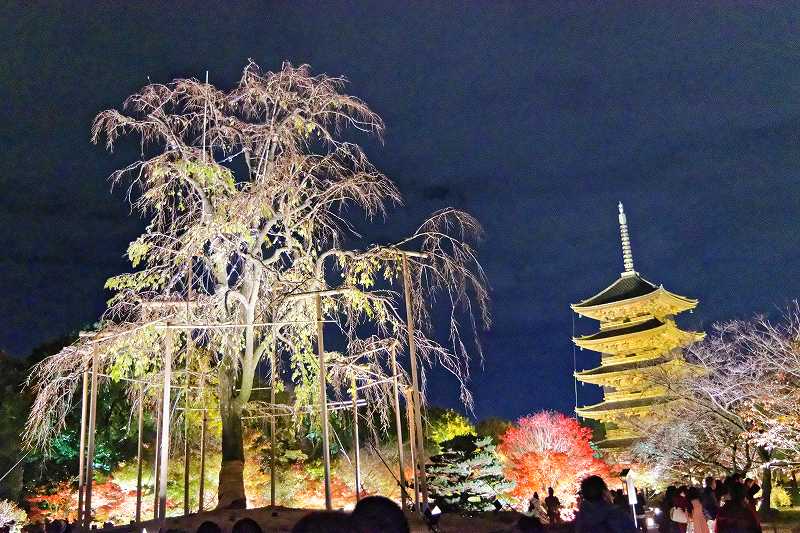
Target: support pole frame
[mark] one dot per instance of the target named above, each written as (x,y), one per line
(417,396)
(82,446)
(186,430)
(323,401)
(203,429)
(399,428)
(157,459)
(91,442)
(163,451)
(356,443)
(139,448)
(412,446)
(272,425)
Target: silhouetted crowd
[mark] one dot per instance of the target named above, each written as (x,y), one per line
(601,511)
(373,514)
(720,506)
(54,526)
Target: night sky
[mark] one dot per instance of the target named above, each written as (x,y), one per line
(537,117)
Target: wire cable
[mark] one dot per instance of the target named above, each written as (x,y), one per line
(15,465)
(574,365)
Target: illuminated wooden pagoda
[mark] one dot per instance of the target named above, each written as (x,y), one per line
(638,341)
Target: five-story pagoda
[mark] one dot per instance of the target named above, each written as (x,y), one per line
(638,342)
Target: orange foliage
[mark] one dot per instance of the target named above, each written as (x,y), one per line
(548,449)
(109,502)
(312,492)
(60,503)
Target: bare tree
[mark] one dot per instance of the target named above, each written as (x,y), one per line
(736,408)
(249,193)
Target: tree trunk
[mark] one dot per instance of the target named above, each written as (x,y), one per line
(766,480)
(230,493)
(766,490)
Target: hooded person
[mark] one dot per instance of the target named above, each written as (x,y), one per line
(737,515)
(597,512)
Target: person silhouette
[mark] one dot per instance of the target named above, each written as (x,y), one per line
(553,506)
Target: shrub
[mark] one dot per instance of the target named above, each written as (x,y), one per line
(467,475)
(12,516)
(780,498)
(446,424)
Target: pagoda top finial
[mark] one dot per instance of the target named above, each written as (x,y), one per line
(627,254)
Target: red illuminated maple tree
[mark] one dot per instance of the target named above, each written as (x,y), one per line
(548,449)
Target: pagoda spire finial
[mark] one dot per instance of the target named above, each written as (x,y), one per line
(627,254)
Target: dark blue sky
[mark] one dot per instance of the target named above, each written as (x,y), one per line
(537,117)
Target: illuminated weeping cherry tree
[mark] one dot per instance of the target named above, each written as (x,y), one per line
(248,192)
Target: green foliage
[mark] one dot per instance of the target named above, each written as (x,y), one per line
(598,429)
(467,476)
(137,250)
(780,498)
(114,443)
(128,350)
(446,424)
(137,281)
(212,178)
(493,427)
(288,448)
(13,410)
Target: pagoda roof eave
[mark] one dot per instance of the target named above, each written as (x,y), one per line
(628,285)
(595,343)
(599,378)
(630,330)
(683,303)
(598,410)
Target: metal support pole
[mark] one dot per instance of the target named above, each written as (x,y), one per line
(356,444)
(186,433)
(272,424)
(157,460)
(82,448)
(186,457)
(203,429)
(164,444)
(91,439)
(412,446)
(139,427)
(323,404)
(417,396)
(399,426)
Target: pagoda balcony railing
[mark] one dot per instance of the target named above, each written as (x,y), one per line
(610,360)
(636,394)
(621,433)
